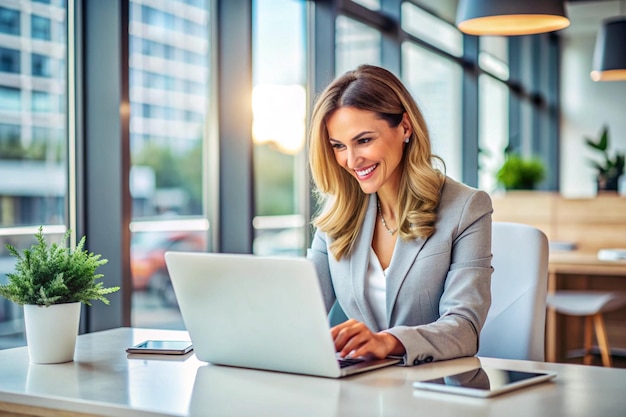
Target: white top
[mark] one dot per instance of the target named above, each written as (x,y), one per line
(104,380)
(376,290)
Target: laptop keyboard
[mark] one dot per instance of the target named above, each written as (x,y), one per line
(348,361)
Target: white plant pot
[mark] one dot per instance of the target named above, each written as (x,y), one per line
(51,332)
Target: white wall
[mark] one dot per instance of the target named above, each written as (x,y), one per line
(586,107)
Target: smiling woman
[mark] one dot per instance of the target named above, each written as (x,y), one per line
(390,214)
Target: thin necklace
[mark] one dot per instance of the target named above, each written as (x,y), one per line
(380,213)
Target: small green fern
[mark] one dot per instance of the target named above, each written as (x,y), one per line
(54,274)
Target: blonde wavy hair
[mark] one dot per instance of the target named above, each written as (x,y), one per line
(343,203)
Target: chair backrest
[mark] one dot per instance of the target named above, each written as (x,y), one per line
(515,325)
(336,315)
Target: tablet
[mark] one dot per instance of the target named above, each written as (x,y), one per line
(484,382)
(162,347)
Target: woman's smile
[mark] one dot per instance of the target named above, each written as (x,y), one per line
(365,173)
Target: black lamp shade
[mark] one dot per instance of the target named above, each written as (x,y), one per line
(510,17)
(609,58)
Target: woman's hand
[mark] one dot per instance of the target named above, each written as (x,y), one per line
(352,338)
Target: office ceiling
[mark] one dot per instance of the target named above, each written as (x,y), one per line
(585,15)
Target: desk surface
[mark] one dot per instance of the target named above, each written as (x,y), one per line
(104,380)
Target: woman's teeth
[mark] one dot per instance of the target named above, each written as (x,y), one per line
(364,172)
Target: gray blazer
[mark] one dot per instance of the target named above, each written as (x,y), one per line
(438,289)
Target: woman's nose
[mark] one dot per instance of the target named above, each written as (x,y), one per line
(353,158)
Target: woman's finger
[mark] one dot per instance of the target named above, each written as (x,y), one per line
(352,337)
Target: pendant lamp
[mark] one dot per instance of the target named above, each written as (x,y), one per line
(510,17)
(609,58)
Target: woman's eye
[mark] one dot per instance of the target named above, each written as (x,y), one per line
(364,140)
(337,146)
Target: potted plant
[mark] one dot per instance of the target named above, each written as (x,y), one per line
(519,173)
(51,282)
(610,169)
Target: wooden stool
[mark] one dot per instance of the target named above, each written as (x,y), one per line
(591,305)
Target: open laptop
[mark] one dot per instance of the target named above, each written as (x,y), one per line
(258,312)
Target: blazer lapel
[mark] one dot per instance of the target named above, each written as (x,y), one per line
(402,260)
(359,262)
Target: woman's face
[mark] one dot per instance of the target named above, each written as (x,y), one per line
(366,147)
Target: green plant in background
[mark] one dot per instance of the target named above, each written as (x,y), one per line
(519,173)
(610,169)
(54,274)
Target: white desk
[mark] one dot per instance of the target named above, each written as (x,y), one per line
(104,380)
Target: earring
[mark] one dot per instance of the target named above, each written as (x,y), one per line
(406,140)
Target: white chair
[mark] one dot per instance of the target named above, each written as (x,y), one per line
(591,305)
(515,325)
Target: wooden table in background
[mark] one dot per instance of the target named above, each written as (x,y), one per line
(578,270)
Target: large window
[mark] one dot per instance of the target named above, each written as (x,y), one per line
(33,138)
(355,43)
(493,129)
(278,127)
(493,109)
(169,78)
(431,29)
(435,83)
(169,90)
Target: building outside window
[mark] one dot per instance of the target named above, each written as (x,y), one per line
(41,65)
(169,90)
(40,28)
(10,60)
(33,136)
(169,63)
(9,21)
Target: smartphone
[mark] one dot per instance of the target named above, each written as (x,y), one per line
(484,382)
(163,347)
